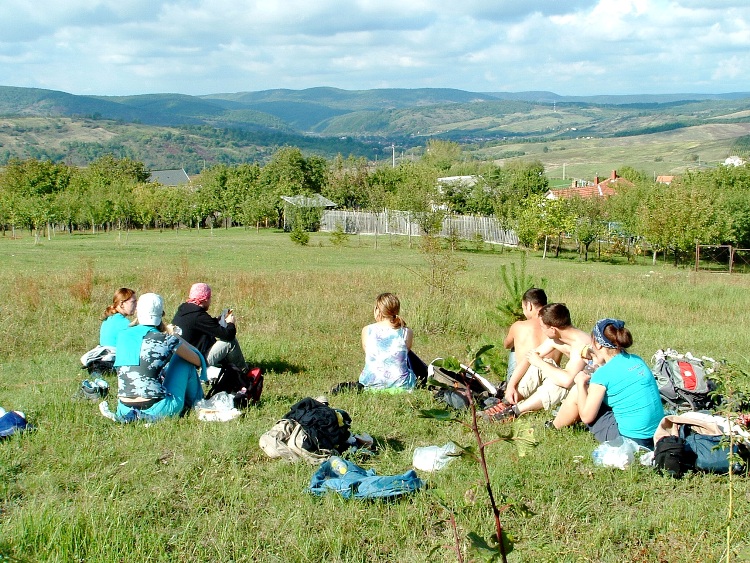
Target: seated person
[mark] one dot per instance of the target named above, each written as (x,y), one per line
(621,397)
(523,379)
(115,316)
(217,343)
(156,372)
(547,383)
(387,343)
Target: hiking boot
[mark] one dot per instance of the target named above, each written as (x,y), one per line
(500,413)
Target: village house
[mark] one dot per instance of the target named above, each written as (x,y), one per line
(176,177)
(586,189)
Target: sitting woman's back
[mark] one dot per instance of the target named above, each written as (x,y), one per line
(116,316)
(386,343)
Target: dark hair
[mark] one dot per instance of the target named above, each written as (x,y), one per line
(621,337)
(535,297)
(555,315)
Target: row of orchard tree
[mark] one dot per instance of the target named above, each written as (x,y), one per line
(709,207)
(115,193)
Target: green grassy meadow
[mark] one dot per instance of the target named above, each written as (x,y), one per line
(667,153)
(81,488)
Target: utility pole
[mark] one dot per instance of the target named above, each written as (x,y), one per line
(393,155)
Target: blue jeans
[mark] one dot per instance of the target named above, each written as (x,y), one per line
(183,391)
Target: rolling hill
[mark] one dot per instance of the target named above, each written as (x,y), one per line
(175,130)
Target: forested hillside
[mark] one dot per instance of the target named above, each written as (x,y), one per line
(192,132)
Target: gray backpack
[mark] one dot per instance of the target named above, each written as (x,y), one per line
(683,380)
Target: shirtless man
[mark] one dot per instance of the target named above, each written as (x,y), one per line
(547,383)
(522,337)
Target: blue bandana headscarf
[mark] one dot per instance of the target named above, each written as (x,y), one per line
(599,331)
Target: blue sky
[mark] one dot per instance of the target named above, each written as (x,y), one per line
(570,47)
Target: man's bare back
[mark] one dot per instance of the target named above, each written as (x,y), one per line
(524,336)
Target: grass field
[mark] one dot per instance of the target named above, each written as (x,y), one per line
(81,488)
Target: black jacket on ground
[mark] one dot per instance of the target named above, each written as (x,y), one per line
(325,430)
(201,329)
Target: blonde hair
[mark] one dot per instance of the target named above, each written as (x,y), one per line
(388,307)
(121,295)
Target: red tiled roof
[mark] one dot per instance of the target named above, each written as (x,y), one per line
(601,190)
(605,188)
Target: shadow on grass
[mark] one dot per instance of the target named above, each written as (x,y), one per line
(388,444)
(277,366)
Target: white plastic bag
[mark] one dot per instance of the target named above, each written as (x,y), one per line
(210,415)
(434,458)
(616,454)
(220,401)
(219,408)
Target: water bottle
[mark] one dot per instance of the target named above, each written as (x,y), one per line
(338,466)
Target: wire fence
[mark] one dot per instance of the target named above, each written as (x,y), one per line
(464,227)
(722,258)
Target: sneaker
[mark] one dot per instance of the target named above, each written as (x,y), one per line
(90,390)
(499,413)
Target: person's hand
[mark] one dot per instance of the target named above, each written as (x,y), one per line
(535,359)
(230,317)
(582,377)
(511,394)
(581,352)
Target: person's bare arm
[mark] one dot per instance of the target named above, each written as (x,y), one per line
(559,376)
(590,397)
(188,353)
(510,338)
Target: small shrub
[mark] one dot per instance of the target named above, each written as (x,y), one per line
(516,283)
(478,241)
(338,236)
(299,236)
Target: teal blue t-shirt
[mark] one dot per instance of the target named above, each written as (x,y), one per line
(111,327)
(632,394)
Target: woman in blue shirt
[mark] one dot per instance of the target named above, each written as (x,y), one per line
(116,316)
(156,370)
(620,398)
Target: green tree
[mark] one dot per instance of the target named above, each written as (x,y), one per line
(589,221)
(441,155)
(347,182)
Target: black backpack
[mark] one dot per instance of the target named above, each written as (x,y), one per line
(452,388)
(246,387)
(672,458)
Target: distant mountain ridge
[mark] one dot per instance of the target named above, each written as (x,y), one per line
(172,129)
(323,110)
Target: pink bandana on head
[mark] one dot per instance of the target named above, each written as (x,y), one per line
(199,293)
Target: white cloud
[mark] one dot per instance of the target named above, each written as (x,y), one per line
(205,46)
